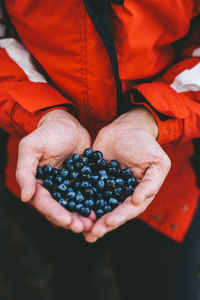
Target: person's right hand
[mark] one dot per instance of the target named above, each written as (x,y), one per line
(57,137)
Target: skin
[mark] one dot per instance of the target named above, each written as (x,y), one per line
(58,136)
(131,139)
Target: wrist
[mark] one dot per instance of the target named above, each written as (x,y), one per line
(141,118)
(56,114)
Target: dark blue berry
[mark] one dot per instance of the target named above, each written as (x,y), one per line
(78,166)
(89,193)
(85,185)
(47,169)
(74,175)
(64,173)
(76,157)
(129,190)
(71,205)
(113,202)
(114,163)
(55,172)
(100,185)
(79,197)
(67,182)
(58,179)
(112,171)
(97,155)
(110,183)
(86,170)
(78,207)
(107,208)
(85,161)
(70,195)
(107,194)
(89,203)
(126,173)
(85,211)
(101,163)
(56,195)
(39,173)
(47,183)
(117,191)
(99,213)
(88,152)
(49,177)
(100,203)
(119,182)
(94,178)
(77,185)
(63,202)
(132,181)
(62,188)
(84,177)
(103,173)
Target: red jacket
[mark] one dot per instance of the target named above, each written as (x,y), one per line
(61,41)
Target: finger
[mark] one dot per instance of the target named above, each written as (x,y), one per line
(150,184)
(47,206)
(26,170)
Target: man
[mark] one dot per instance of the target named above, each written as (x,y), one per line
(75,103)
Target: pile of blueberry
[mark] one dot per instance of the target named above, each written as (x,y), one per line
(88,182)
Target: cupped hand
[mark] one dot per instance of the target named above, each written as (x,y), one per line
(58,136)
(131,139)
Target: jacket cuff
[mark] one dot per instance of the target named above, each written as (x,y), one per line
(170,129)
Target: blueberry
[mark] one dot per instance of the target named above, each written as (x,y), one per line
(49,177)
(101,163)
(58,179)
(64,173)
(126,173)
(118,172)
(113,202)
(85,161)
(88,152)
(67,182)
(94,178)
(47,183)
(129,190)
(85,211)
(85,185)
(99,213)
(71,168)
(100,203)
(112,171)
(56,195)
(86,170)
(54,187)
(89,193)
(78,207)
(76,157)
(77,185)
(79,197)
(70,189)
(39,173)
(74,175)
(92,166)
(107,194)
(47,169)
(89,203)
(68,161)
(54,172)
(71,205)
(97,155)
(100,185)
(107,208)
(114,163)
(63,202)
(62,188)
(71,195)
(117,191)
(110,183)
(103,173)
(119,182)
(78,166)
(132,181)
(85,177)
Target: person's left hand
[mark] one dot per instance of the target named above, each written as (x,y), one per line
(131,139)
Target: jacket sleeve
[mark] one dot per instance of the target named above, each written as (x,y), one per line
(25,95)
(174,97)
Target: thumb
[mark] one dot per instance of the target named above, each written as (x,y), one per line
(26,169)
